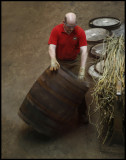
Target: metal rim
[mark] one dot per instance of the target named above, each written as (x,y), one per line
(102,26)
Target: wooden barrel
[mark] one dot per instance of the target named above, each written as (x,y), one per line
(119,31)
(99,67)
(93,73)
(95,36)
(105,22)
(98,51)
(51,105)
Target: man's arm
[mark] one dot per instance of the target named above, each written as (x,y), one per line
(84,54)
(52,52)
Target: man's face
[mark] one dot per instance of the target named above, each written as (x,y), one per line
(69,27)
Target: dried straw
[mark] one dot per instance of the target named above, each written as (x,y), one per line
(104,91)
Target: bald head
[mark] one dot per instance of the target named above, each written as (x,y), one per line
(70,18)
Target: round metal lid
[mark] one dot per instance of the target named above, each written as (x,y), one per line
(96,34)
(105,22)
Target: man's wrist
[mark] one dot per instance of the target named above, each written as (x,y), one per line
(82,69)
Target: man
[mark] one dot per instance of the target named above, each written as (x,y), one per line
(67,41)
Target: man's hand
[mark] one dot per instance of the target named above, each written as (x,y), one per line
(81,74)
(54,64)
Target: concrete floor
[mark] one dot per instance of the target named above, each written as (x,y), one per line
(26,27)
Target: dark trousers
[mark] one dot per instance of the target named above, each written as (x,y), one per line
(72,65)
(82,109)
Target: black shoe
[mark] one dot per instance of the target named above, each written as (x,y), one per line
(84,119)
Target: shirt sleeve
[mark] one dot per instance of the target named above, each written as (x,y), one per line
(53,36)
(82,39)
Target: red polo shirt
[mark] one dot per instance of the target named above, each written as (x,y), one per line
(67,45)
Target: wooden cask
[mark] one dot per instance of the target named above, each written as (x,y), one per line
(51,105)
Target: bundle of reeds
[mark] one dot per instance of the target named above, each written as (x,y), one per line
(104,91)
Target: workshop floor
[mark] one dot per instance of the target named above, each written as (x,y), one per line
(26,27)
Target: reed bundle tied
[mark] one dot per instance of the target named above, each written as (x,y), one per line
(104,91)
